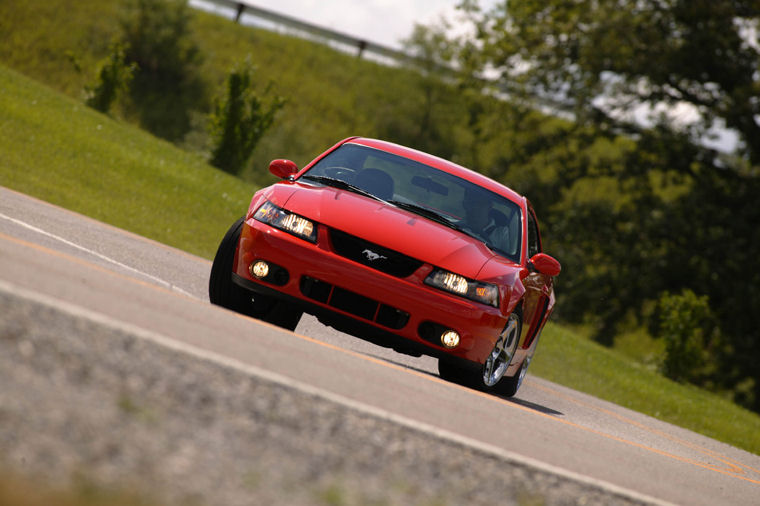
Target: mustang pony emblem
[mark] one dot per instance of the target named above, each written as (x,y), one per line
(372,256)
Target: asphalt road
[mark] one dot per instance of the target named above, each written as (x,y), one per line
(65,256)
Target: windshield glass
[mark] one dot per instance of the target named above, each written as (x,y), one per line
(425,191)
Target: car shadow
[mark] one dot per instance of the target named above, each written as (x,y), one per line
(522,402)
(532,405)
(403,365)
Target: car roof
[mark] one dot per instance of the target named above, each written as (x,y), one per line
(440,164)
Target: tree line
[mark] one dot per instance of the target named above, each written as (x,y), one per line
(652,218)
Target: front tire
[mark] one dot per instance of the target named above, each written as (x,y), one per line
(222,291)
(510,385)
(459,373)
(498,361)
(490,377)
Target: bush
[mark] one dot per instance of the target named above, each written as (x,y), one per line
(114,77)
(168,84)
(691,336)
(240,120)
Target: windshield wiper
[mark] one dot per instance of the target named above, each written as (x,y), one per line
(343,185)
(429,214)
(416,209)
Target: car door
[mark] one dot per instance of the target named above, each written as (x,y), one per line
(538,288)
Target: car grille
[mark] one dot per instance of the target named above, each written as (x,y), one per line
(353,303)
(374,256)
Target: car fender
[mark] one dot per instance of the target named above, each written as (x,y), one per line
(507,275)
(278,194)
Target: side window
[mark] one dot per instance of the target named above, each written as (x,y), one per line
(534,242)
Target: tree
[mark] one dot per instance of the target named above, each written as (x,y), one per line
(604,59)
(687,325)
(239,121)
(114,77)
(425,118)
(662,75)
(167,84)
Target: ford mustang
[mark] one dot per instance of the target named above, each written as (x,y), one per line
(398,247)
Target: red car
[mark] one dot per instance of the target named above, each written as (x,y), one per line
(400,248)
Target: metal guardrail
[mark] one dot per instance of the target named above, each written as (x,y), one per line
(237,8)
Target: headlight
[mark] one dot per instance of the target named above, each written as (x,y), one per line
(485,293)
(289,222)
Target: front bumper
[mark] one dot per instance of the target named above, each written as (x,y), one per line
(403,313)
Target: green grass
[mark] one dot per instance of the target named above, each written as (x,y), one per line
(54,148)
(331,95)
(573,360)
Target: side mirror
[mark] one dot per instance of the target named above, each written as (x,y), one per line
(283,169)
(544,264)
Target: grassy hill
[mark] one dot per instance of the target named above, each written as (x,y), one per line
(331,95)
(55,148)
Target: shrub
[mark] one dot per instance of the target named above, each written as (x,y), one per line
(114,77)
(691,336)
(168,84)
(240,119)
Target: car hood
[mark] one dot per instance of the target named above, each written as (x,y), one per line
(388,226)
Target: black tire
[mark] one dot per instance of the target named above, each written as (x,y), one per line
(283,315)
(224,292)
(221,290)
(458,372)
(508,386)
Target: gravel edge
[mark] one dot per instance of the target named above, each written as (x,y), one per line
(84,396)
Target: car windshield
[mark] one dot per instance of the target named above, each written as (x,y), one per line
(426,191)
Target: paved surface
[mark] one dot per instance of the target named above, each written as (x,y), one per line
(91,276)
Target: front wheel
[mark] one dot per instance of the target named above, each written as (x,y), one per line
(224,292)
(501,356)
(490,377)
(509,386)
(221,290)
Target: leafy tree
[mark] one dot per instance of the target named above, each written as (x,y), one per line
(600,59)
(424,118)
(655,79)
(687,325)
(114,77)
(447,115)
(167,85)
(240,120)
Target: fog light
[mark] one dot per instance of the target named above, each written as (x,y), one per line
(259,269)
(450,339)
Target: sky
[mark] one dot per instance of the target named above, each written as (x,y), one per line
(384,22)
